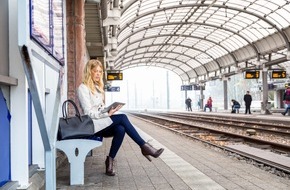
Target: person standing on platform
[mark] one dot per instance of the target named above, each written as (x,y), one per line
(248,101)
(188,104)
(91,96)
(208,104)
(286,100)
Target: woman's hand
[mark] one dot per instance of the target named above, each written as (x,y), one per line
(113,110)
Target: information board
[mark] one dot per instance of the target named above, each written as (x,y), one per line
(278,74)
(115,76)
(252,74)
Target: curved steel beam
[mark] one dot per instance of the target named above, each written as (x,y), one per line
(135,65)
(206,5)
(119,56)
(198,23)
(187,36)
(161,57)
(164,63)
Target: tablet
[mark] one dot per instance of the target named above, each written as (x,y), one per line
(113,105)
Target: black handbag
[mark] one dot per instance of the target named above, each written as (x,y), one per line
(75,127)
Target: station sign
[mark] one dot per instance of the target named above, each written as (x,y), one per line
(278,74)
(114,76)
(198,87)
(186,87)
(113,89)
(252,74)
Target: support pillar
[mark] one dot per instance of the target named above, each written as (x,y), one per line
(225,83)
(201,97)
(264,109)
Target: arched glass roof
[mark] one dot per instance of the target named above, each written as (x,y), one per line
(198,39)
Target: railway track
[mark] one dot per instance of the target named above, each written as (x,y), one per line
(208,130)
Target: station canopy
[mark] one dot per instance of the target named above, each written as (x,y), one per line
(199,40)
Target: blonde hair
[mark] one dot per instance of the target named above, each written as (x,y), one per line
(87,77)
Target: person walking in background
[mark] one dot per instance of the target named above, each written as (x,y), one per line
(235,106)
(208,104)
(286,100)
(198,104)
(91,96)
(248,101)
(188,104)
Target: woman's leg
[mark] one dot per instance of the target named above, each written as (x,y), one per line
(146,149)
(122,119)
(118,133)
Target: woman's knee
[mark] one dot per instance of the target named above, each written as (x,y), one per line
(123,116)
(120,129)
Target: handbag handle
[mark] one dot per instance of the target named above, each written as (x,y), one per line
(64,110)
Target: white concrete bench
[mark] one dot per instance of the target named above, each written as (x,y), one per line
(76,151)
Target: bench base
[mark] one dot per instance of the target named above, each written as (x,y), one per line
(76,151)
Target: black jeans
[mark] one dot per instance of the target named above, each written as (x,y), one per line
(120,126)
(248,108)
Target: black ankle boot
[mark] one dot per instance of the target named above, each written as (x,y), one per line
(147,151)
(110,166)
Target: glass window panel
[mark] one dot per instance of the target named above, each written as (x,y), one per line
(40,22)
(160,39)
(123,36)
(142,21)
(203,45)
(259,9)
(168,3)
(171,55)
(185,67)
(139,56)
(58,30)
(133,46)
(137,36)
(250,34)
(47,26)
(127,15)
(280,18)
(185,58)
(194,64)
(192,53)
(202,58)
(220,34)
(147,42)
(153,48)
(216,51)
(148,6)
(237,3)
(230,45)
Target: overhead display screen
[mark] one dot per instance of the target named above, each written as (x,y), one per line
(278,74)
(115,76)
(252,74)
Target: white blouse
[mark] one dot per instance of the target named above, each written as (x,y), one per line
(92,105)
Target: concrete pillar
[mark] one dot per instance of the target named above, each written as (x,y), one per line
(201,98)
(264,109)
(225,83)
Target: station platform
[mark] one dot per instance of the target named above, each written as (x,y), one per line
(184,164)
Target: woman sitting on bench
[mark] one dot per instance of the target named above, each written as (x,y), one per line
(91,97)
